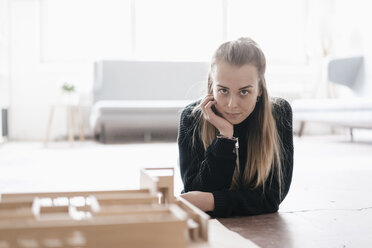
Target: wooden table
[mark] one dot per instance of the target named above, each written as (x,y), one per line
(314,228)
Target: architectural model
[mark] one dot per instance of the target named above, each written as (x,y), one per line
(147,217)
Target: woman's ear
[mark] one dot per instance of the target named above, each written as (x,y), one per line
(259,93)
(261,90)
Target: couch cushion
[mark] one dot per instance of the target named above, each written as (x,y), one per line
(332,104)
(130,116)
(353,112)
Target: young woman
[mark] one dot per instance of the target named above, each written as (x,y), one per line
(236,144)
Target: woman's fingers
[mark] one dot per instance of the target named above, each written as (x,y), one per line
(208,108)
(211,116)
(204,104)
(206,100)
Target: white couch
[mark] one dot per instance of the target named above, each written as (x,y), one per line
(350,112)
(142,97)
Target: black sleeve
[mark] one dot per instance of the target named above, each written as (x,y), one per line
(262,199)
(202,170)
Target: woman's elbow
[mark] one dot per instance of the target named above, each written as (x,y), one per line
(273,209)
(271,206)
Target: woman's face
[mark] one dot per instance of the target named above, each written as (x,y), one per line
(235,90)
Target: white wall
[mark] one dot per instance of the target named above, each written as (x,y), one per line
(4,53)
(36,85)
(350,33)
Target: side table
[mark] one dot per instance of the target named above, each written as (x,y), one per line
(71,110)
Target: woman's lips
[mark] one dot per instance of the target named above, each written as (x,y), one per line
(232,115)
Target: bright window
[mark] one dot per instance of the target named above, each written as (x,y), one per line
(85,30)
(177,30)
(277,26)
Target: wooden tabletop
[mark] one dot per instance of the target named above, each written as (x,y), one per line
(322,228)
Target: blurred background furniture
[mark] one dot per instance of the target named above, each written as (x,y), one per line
(3,124)
(70,103)
(351,112)
(143,97)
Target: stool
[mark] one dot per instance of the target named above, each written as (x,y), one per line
(72,110)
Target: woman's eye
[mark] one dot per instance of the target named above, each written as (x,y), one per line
(244,92)
(223,91)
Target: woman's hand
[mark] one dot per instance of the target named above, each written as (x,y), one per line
(224,127)
(202,200)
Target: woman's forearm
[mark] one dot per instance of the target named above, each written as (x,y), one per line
(202,200)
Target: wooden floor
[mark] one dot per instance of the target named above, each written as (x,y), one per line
(329,203)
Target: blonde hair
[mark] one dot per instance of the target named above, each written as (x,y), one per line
(264,145)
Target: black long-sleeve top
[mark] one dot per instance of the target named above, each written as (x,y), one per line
(211,170)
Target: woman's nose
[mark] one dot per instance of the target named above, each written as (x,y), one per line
(233,102)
